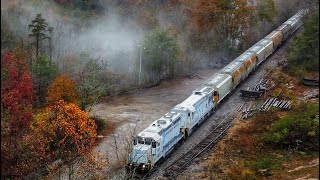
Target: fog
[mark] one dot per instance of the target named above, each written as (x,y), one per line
(109,36)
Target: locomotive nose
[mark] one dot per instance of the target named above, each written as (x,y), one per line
(140,153)
(140,157)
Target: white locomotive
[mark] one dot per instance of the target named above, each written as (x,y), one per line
(161,136)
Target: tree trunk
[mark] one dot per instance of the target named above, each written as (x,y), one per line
(37,47)
(167,69)
(50,51)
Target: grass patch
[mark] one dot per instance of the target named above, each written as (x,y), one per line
(241,173)
(264,166)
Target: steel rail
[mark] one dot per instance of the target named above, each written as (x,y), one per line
(176,168)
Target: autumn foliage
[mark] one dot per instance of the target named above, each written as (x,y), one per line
(233,13)
(16,110)
(62,88)
(228,21)
(16,91)
(63,131)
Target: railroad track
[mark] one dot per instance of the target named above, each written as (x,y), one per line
(177,167)
(181,164)
(172,171)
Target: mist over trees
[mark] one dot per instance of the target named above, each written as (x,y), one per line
(61,57)
(158,53)
(83,26)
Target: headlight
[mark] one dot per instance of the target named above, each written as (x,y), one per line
(143,166)
(130,164)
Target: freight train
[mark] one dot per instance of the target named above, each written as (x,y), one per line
(161,136)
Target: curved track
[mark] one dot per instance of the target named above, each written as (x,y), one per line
(177,167)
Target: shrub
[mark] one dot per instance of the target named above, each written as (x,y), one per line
(299,130)
(265,163)
(101,124)
(63,131)
(241,173)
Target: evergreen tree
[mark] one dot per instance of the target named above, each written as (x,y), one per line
(304,52)
(50,29)
(43,74)
(266,10)
(38,28)
(160,53)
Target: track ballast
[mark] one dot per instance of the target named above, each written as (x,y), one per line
(177,167)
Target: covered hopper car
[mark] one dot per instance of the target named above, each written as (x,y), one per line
(161,136)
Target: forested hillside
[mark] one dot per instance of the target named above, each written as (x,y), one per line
(304,53)
(206,33)
(61,57)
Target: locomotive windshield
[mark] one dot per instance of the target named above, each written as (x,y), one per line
(148,141)
(142,140)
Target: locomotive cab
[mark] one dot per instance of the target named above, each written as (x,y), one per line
(145,151)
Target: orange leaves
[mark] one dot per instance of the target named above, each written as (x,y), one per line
(62,88)
(63,131)
(205,14)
